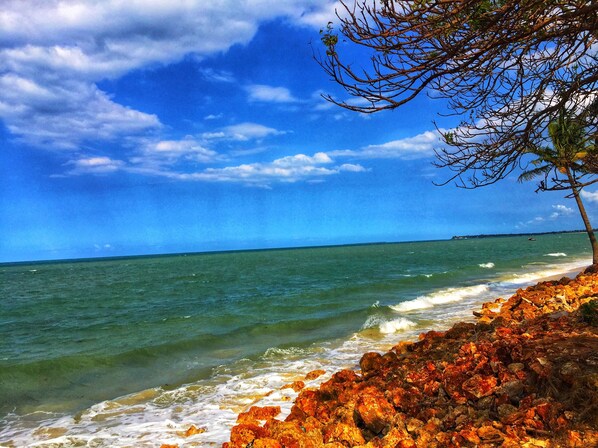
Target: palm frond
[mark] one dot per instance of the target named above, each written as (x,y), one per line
(535,172)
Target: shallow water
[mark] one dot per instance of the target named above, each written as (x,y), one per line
(131,351)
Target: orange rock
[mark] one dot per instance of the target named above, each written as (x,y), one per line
(246,433)
(490,434)
(473,385)
(398,437)
(574,439)
(374,410)
(343,433)
(258,413)
(470,434)
(371,361)
(165,445)
(291,434)
(194,430)
(266,443)
(479,386)
(402,347)
(314,374)
(295,385)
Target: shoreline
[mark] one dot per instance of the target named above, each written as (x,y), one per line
(212,406)
(466,391)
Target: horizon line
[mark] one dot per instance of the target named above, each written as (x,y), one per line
(258,249)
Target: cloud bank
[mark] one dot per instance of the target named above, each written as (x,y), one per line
(53,54)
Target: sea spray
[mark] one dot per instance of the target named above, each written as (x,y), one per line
(439,298)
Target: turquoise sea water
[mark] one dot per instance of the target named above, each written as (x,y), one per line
(131,351)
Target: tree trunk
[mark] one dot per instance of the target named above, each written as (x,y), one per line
(584,217)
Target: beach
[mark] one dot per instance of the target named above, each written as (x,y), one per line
(135,352)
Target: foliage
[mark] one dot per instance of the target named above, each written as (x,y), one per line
(505,68)
(569,148)
(589,312)
(329,38)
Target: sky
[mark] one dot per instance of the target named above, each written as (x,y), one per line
(133,127)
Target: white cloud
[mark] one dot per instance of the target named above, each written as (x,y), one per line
(319,17)
(171,151)
(290,169)
(420,146)
(300,160)
(54,52)
(269,94)
(352,168)
(217,75)
(65,113)
(591,196)
(96,165)
(561,210)
(243,132)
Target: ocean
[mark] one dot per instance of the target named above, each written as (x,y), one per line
(132,351)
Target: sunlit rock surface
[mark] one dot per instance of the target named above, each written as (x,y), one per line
(525,375)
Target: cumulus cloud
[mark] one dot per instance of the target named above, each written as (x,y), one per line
(53,54)
(96,165)
(290,169)
(561,210)
(419,146)
(63,114)
(243,132)
(170,152)
(591,196)
(269,94)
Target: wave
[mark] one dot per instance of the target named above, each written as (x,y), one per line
(550,270)
(556,254)
(386,326)
(441,297)
(396,325)
(489,265)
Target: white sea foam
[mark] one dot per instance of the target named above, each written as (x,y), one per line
(556,254)
(440,297)
(489,265)
(547,271)
(396,325)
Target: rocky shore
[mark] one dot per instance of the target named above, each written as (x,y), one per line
(524,375)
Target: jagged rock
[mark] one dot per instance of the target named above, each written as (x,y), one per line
(314,374)
(374,410)
(371,361)
(295,385)
(343,433)
(256,413)
(194,430)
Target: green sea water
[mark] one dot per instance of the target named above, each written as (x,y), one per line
(207,331)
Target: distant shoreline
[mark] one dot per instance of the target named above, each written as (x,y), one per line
(502,235)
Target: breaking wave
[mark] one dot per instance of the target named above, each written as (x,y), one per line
(443,296)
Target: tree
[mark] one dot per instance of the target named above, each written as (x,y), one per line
(505,68)
(562,165)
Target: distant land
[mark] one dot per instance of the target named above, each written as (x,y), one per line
(501,235)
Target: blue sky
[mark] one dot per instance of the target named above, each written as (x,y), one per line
(135,127)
